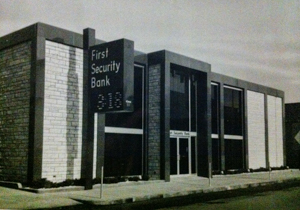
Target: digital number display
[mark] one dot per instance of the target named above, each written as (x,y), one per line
(110,101)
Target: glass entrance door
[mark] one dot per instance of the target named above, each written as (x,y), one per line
(180,158)
(173,156)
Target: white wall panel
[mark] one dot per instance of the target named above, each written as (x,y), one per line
(279,134)
(272,130)
(256,130)
(275,131)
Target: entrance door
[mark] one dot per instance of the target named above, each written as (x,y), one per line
(180,155)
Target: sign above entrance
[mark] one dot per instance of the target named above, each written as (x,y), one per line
(111,76)
(182,133)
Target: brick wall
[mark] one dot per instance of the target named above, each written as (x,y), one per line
(15,65)
(62,137)
(154,122)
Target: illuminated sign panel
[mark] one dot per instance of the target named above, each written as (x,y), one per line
(111,76)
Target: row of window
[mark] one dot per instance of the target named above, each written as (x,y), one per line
(233,127)
(183,106)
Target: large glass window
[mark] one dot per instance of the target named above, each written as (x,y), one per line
(233,154)
(233,111)
(216,154)
(233,126)
(183,109)
(179,101)
(215,108)
(124,134)
(193,104)
(123,154)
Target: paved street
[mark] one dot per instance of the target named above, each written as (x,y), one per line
(284,199)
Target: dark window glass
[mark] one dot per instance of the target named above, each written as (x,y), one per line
(193,105)
(216,156)
(135,118)
(193,155)
(233,114)
(184,156)
(179,102)
(173,156)
(215,109)
(123,155)
(233,154)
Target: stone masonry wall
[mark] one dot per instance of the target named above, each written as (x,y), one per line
(154,122)
(62,137)
(15,65)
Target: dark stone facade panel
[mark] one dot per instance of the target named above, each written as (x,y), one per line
(154,122)
(292,112)
(292,125)
(15,65)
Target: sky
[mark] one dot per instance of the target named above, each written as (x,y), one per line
(257,40)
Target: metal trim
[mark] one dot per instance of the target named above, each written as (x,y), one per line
(233,137)
(120,130)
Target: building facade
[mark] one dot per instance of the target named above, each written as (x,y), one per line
(185,116)
(292,124)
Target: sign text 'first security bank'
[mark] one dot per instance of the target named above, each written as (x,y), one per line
(111,76)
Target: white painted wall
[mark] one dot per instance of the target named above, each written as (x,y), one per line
(256,130)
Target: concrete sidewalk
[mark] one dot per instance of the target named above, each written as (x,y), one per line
(129,192)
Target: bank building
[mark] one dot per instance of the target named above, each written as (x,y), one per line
(186,118)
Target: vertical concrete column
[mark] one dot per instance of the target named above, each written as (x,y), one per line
(165,122)
(36,121)
(266,130)
(283,131)
(154,119)
(222,127)
(100,143)
(204,154)
(245,129)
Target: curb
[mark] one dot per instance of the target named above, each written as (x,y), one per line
(53,190)
(18,186)
(13,185)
